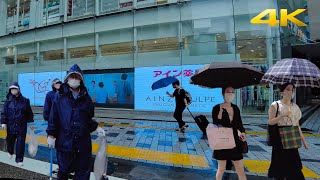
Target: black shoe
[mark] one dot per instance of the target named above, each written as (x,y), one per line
(184,127)
(180,130)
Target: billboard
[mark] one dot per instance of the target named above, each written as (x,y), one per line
(35,86)
(147,99)
(111,88)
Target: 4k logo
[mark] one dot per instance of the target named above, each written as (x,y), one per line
(284,17)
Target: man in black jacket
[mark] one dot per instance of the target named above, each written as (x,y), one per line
(181,105)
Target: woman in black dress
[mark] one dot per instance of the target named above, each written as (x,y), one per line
(228,115)
(285,163)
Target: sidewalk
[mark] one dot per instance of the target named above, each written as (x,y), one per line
(156,143)
(158,116)
(150,139)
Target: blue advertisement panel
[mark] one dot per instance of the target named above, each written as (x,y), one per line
(35,86)
(147,99)
(111,88)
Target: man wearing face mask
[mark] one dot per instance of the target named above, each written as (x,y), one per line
(49,98)
(70,124)
(15,115)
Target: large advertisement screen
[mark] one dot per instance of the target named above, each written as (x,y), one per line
(35,86)
(147,99)
(111,88)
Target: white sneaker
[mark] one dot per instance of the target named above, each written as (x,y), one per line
(20,164)
(9,156)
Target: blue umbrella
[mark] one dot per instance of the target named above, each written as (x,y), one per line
(164,82)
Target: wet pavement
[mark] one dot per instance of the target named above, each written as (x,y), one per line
(151,149)
(12,172)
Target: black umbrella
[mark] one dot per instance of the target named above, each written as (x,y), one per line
(224,74)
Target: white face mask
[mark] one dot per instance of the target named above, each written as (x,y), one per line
(74,83)
(229,97)
(57,86)
(14,91)
(288,94)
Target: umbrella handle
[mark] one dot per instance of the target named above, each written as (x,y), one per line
(51,162)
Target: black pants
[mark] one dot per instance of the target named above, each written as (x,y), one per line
(178,116)
(20,146)
(80,162)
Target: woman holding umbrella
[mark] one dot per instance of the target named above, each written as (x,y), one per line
(228,75)
(285,163)
(228,115)
(284,131)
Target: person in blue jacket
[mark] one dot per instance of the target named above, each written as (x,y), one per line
(70,124)
(15,115)
(49,98)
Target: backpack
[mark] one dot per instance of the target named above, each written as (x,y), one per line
(188,96)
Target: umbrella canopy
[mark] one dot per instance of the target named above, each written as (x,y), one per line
(300,72)
(224,74)
(164,82)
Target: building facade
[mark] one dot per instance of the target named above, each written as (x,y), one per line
(314,19)
(123,46)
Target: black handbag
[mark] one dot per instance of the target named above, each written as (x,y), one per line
(272,131)
(244,146)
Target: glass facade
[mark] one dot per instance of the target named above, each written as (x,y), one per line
(110,35)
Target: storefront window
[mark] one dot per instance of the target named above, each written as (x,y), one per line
(4,84)
(9,60)
(83,52)
(82,47)
(145,3)
(116,49)
(207,36)
(109,5)
(11,13)
(23,58)
(8,55)
(161,44)
(82,8)
(158,36)
(53,55)
(24,15)
(51,50)
(51,11)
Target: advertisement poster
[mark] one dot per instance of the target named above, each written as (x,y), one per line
(35,86)
(111,88)
(147,99)
(4,84)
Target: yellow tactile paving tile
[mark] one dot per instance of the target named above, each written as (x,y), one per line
(136,153)
(260,166)
(189,130)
